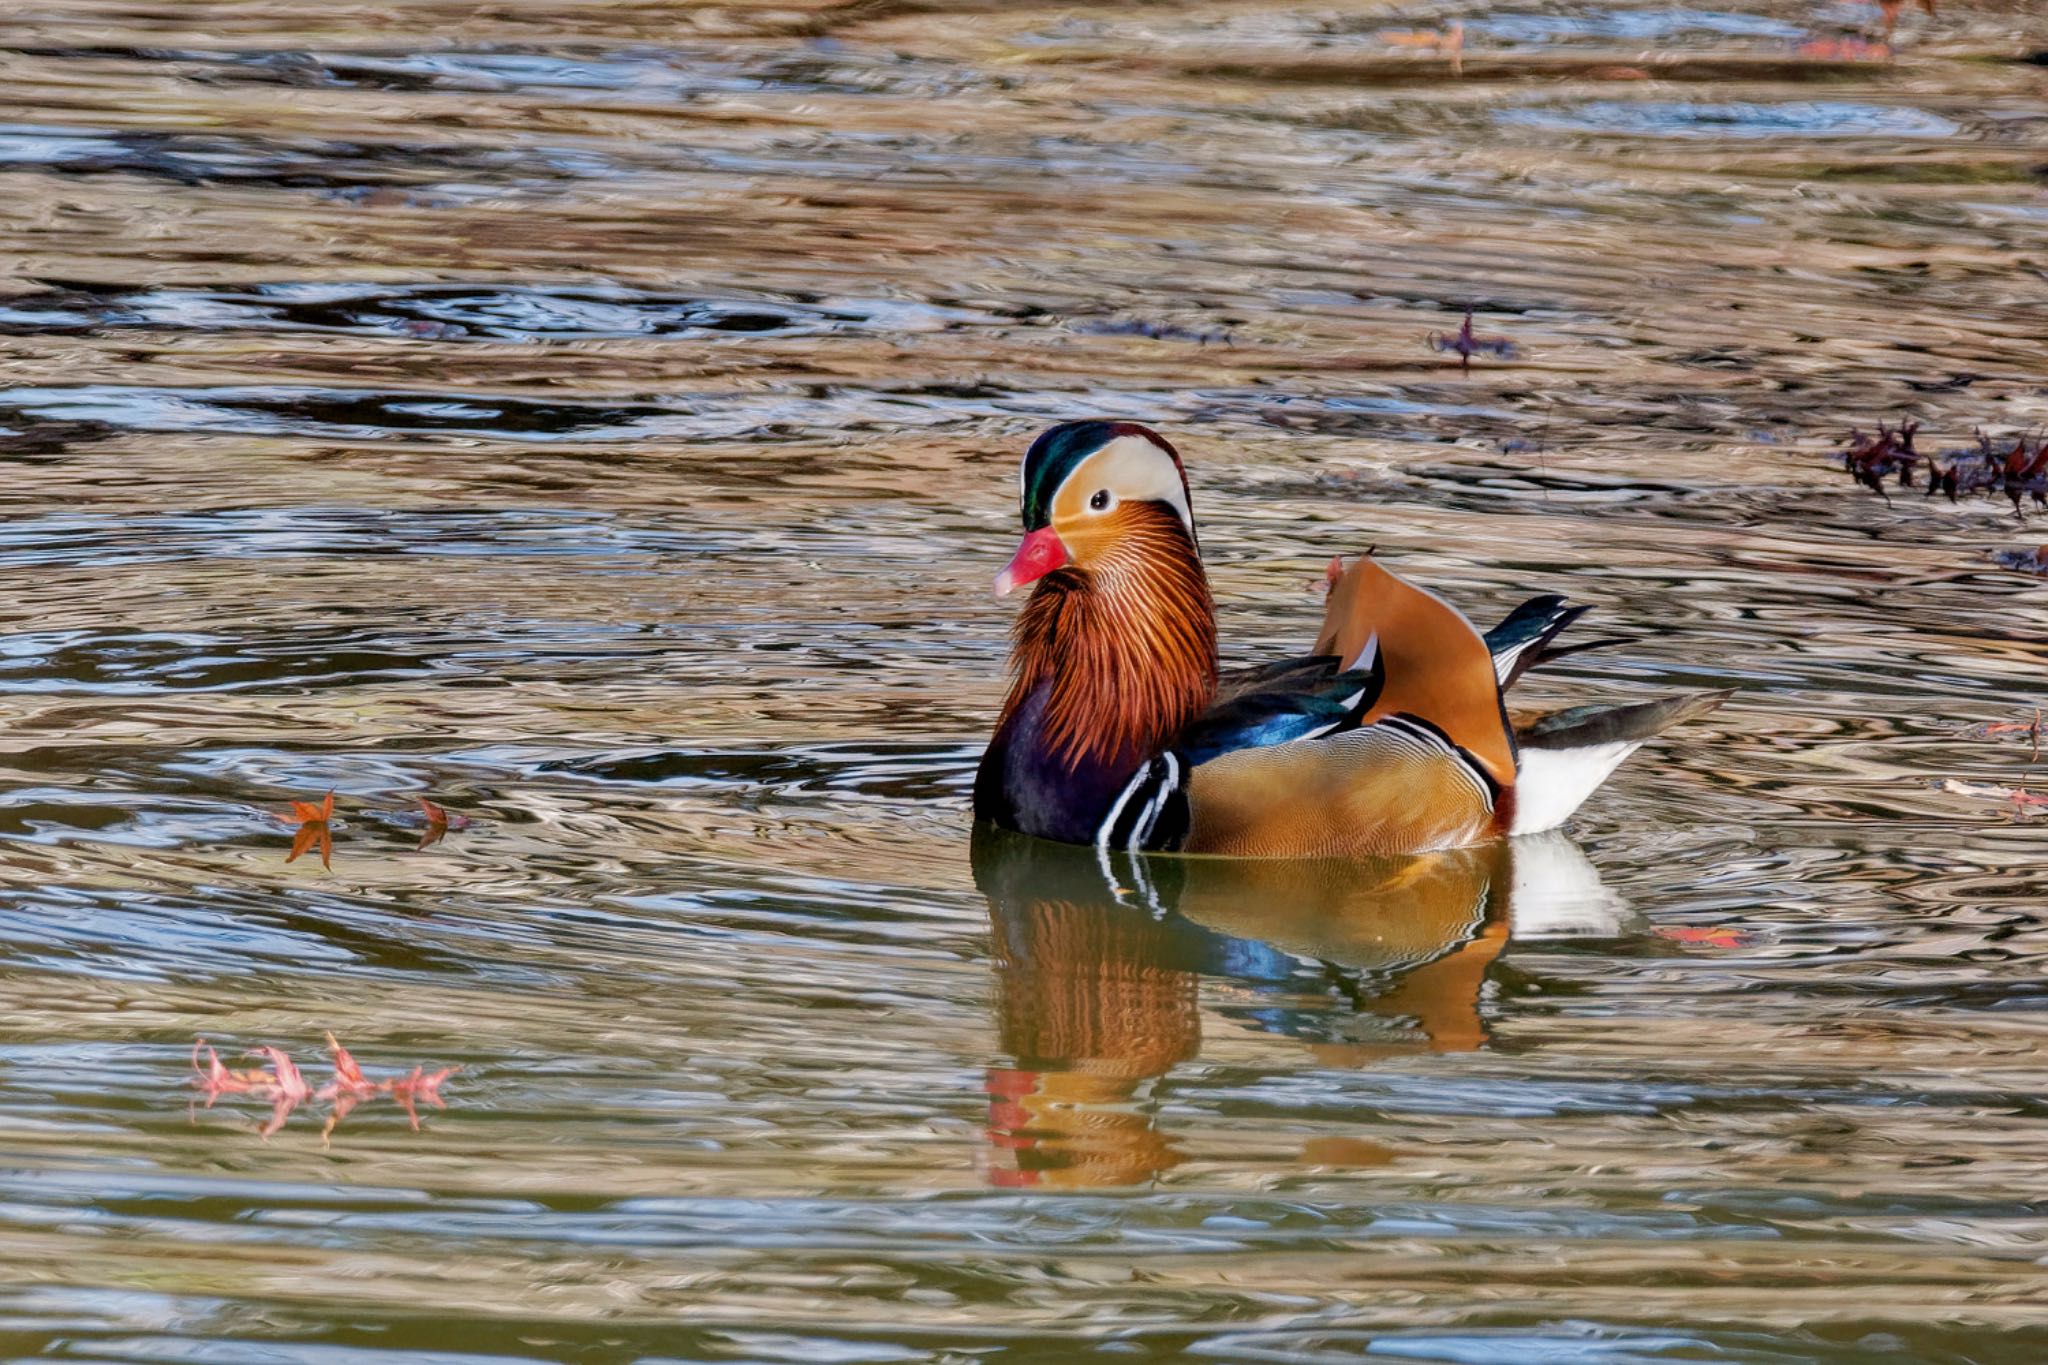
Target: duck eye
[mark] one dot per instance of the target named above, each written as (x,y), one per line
(1100,500)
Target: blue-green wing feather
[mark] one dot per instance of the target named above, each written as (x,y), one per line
(1305,699)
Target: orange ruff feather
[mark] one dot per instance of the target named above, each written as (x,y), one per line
(1129,644)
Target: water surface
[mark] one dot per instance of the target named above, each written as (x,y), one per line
(601,419)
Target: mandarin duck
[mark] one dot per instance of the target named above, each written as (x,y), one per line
(1392,737)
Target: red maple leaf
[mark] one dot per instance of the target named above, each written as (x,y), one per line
(421,1086)
(349,1087)
(348,1076)
(439,822)
(1720,936)
(1465,344)
(313,822)
(215,1080)
(286,1087)
(285,1091)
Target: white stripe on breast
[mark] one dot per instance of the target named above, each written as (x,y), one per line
(1123,799)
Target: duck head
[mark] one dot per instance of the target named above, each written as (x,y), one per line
(1115,651)
(1093,493)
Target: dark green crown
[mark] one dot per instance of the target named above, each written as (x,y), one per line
(1057,452)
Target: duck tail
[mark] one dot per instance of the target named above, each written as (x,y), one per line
(1524,640)
(1566,755)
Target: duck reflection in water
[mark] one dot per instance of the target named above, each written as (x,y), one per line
(1099,962)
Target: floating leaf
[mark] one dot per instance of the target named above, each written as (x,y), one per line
(348,1077)
(1987,467)
(1890,10)
(286,1087)
(1464,344)
(315,826)
(2030,728)
(1845,47)
(1719,936)
(1450,42)
(421,1086)
(2022,799)
(215,1080)
(349,1088)
(439,822)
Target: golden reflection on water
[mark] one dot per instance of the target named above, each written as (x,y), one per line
(1098,984)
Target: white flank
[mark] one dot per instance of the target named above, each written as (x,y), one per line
(1552,783)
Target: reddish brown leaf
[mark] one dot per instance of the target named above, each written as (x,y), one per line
(215,1080)
(439,822)
(286,1090)
(1845,48)
(421,1086)
(2019,797)
(1464,344)
(284,1073)
(348,1077)
(315,827)
(285,1087)
(302,811)
(1720,936)
(2030,728)
(1450,42)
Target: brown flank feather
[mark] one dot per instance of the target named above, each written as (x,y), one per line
(1129,643)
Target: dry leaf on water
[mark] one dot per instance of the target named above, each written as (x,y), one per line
(1464,344)
(421,1086)
(1450,42)
(1987,467)
(315,826)
(1846,47)
(2030,728)
(286,1087)
(1719,936)
(1890,10)
(280,1083)
(439,822)
(2023,800)
(349,1088)
(215,1080)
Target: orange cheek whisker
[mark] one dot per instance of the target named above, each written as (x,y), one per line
(1127,638)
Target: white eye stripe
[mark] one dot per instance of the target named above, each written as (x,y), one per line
(1131,468)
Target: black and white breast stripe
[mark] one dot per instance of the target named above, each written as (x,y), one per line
(1151,812)
(1424,740)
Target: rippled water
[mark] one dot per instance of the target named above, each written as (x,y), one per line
(600,419)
